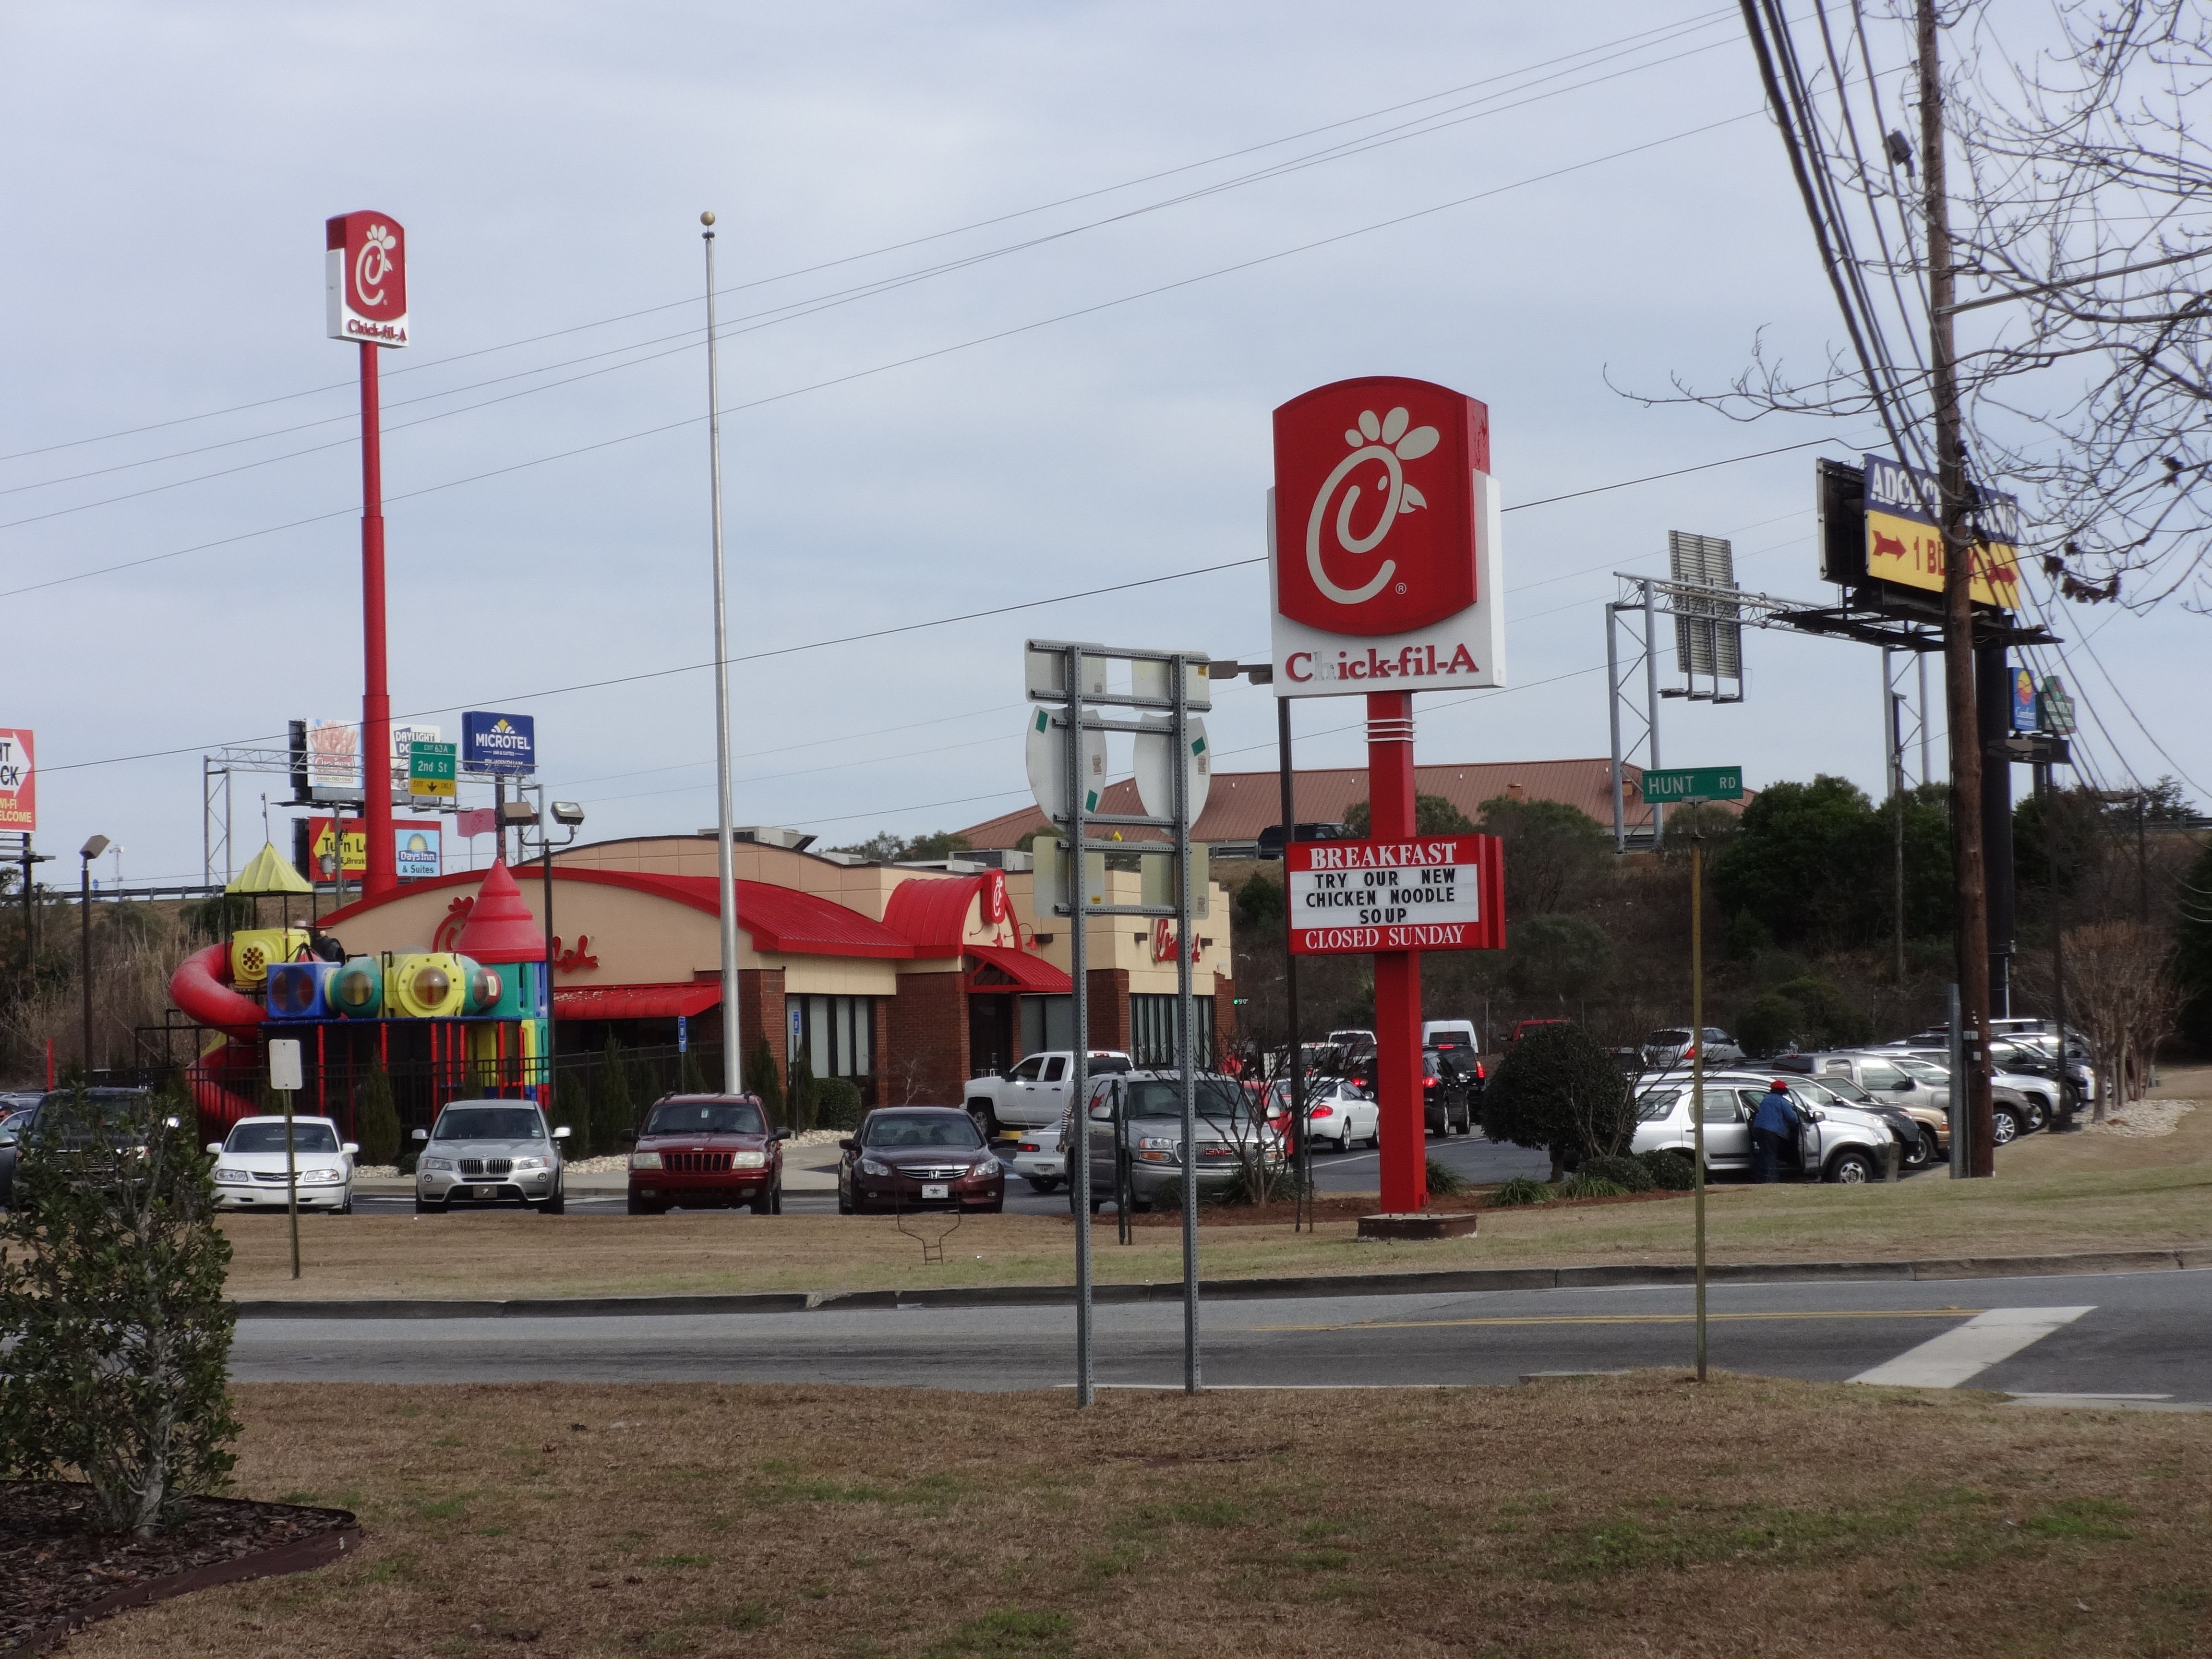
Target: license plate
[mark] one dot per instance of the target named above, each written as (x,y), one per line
(487,1192)
(935,1189)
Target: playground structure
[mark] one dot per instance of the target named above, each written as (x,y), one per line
(463,1022)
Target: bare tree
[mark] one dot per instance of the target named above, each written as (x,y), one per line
(2121,987)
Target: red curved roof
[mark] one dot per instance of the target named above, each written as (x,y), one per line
(1031,972)
(932,912)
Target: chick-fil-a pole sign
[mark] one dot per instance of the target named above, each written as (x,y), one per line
(1434,893)
(1383,541)
(365,278)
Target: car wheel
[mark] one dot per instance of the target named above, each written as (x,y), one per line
(424,1207)
(765,1204)
(1344,1141)
(556,1205)
(1850,1169)
(346,1208)
(986,1120)
(2039,1113)
(2003,1126)
(1923,1152)
(1042,1183)
(642,1206)
(994,1209)
(844,1202)
(775,1199)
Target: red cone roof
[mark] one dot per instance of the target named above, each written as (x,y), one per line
(500,927)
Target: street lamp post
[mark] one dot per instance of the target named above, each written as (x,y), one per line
(91,850)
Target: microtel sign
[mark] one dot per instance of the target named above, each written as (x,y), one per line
(503,744)
(1383,541)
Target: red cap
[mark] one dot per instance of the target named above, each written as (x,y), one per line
(500,927)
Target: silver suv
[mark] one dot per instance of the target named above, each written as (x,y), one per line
(1837,1142)
(490,1151)
(1147,1105)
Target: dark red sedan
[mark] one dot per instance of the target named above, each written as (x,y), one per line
(706,1152)
(918,1158)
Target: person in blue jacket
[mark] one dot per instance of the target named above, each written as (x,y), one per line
(1774,1126)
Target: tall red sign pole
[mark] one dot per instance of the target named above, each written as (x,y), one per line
(1384,553)
(366,282)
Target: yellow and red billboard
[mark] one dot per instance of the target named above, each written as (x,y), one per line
(1905,547)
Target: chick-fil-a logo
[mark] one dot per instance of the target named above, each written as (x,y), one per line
(377,264)
(367,278)
(1375,509)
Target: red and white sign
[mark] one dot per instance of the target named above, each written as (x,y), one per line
(1433,893)
(366,276)
(1383,541)
(19,782)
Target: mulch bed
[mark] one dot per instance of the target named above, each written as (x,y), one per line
(56,1575)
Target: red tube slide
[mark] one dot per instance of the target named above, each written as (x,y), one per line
(201,988)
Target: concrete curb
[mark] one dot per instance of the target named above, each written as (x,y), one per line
(1451,1282)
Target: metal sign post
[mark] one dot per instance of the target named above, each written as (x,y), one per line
(1069,677)
(284,1078)
(1698,1070)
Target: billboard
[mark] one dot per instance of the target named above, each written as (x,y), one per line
(19,782)
(1432,893)
(365,278)
(418,854)
(334,755)
(503,745)
(1905,547)
(1383,541)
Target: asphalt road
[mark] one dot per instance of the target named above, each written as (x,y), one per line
(2144,1336)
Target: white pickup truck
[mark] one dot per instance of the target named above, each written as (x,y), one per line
(1033,1091)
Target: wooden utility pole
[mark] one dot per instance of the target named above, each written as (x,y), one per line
(1968,869)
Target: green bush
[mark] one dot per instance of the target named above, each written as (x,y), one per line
(613,1112)
(1557,1089)
(766,1083)
(805,1098)
(1670,1170)
(1628,1174)
(111,1294)
(1521,1189)
(1807,1012)
(837,1103)
(377,1121)
(1443,1181)
(1590,1186)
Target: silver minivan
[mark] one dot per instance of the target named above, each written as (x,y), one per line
(490,1151)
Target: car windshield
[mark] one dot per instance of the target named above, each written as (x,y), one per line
(1844,1090)
(490,1123)
(269,1137)
(1217,1097)
(955,1129)
(1925,1070)
(706,1117)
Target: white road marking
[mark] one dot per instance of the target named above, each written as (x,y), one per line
(1945,1361)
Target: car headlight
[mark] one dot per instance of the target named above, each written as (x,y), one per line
(437,1164)
(749,1160)
(321,1177)
(984,1166)
(231,1176)
(870,1166)
(645,1160)
(1158,1149)
(522,1163)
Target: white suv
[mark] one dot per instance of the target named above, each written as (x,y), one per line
(1837,1142)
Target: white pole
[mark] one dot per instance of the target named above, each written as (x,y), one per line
(724,865)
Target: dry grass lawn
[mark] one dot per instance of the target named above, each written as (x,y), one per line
(2053,1194)
(1636,1516)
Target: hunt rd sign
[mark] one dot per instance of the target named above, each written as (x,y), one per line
(1432,893)
(1683,784)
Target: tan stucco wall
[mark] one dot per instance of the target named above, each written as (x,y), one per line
(1113,941)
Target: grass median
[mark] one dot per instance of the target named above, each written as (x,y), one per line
(1631,1514)
(2053,1194)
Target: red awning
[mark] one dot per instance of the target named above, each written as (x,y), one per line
(633,1001)
(1029,973)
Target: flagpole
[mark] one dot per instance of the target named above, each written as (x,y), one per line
(725,861)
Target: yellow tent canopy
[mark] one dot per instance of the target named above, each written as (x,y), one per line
(269,872)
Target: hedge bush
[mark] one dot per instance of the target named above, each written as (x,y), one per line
(837,1103)
(1627,1173)
(1670,1170)
(1443,1181)
(1583,1185)
(378,1119)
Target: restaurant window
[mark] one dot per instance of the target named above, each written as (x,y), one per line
(1152,1029)
(1048,1023)
(834,1034)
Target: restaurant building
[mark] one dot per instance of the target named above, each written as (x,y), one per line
(907,980)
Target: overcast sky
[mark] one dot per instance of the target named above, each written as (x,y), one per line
(171,166)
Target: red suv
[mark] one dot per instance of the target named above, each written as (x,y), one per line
(707,1151)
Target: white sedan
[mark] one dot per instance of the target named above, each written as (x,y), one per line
(1038,1159)
(249,1167)
(1339,1112)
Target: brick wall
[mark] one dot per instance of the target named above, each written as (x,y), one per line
(877,1089)
(760,1013)
(927,1028)
(1109,1008)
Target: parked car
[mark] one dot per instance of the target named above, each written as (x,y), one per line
(1147,1105)
(1522,1027)
(1033,1091)
(19,1133)
(1039,1160)
(1671,1046)
(918,1158)
(706,1152)
(490,1151)
(1837,1143)
(1339,1112)
(249,1165)
(1923,1132)
(2022,1103)
(1445,1035)
(1447,1092)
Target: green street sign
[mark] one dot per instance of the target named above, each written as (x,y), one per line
(430,768)
(1679,786)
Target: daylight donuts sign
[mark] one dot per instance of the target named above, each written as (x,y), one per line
(1383,541)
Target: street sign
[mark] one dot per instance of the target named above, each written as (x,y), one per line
(1154,765)
(1437,893)
(1047,762)
(19,782)
(1678,786)
(430,768)
(284,1064)
(2057,709)
(500,745)
(2026,716)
